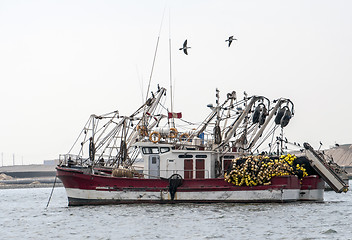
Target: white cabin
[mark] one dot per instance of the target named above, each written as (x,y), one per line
(163,160)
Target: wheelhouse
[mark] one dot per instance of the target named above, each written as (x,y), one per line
(163,160)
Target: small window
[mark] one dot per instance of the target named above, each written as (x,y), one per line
(229,157)
(164,149)
(171,160)
(155,150)
(185,156)
(150,150)
(153,160)
(201,156)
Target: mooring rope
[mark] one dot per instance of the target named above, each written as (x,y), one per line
(52,190)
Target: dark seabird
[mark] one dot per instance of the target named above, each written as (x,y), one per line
(230,40)
(321,144)
(184,48)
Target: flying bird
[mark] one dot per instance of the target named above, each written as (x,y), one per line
(230,40)
(184,48)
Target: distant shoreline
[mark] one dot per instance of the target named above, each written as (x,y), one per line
(33,182)
(31,185)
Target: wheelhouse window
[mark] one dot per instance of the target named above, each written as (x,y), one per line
(150,150)
(201,156)
(164,149)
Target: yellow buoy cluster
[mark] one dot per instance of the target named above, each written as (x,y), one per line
(258,170)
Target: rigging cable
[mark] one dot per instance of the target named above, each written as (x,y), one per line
(272,139)
(140,80)
(156,50)
(272,133)
(84,129)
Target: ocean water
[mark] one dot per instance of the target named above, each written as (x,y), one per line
(23,216)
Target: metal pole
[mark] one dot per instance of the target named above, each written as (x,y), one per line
(171,95)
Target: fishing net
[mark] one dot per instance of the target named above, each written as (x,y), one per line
(259,170)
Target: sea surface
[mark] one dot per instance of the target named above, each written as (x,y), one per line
(23,215)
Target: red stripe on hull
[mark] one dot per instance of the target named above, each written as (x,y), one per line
(312,182)
(72,178)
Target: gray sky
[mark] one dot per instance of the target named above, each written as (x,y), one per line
(61,61)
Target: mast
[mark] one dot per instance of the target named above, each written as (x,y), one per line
(214,113)
(231,96)
(171,95)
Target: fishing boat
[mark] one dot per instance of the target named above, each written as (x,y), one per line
(156,156)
